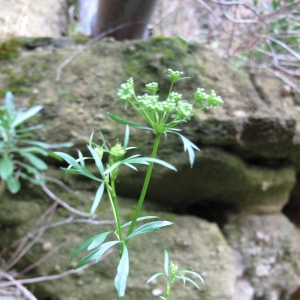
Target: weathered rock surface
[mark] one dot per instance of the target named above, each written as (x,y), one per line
(32,18)
(190,241)
(249,160)
(268,248)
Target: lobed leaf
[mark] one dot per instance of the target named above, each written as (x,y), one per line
(131,124)
(193,273)
(188,146)
(84,245)
(98,240)
(96,254)
(155,275)
(149,227)
(97,159)
(140,219)
(147,160)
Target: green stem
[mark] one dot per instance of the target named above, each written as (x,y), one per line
(113,202)
(145,187)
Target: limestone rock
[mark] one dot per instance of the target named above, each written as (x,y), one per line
(269,246)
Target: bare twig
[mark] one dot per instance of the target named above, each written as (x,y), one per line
(60,183)
(283,45)
(18,285)
(63,203)
(52,277)
(275,58)
(283,78)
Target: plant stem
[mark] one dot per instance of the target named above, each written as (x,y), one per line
(145,187)
(117,214)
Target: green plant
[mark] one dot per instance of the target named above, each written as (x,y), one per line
(173,272)
(161,117)
(18,153)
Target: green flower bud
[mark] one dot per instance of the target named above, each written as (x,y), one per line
(201,96)
(99,151)
(152,87)
(148,102)
(126,92)
(184,109)
(174,75)
(174,97)
(173,268)
(214,99)
(117,153)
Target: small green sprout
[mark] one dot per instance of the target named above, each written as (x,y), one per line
(173,272)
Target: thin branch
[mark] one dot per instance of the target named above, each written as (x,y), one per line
(60,183)
(63,203)
(53,277)
(275,58)
(18,285)
(283,78)
(283,45)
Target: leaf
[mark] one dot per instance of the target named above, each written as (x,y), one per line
(69,159)
(149,227)
(22,117)
(9,102)
(156,275)
(100,238)
(6,167)
(48,146)
(190,280)
(36,150)
(126,138)
(97,159)
(13,184)
(30,128)
(122,273)
(81,158)
(84,245)
(131,124)
(130,166)
(147,160)
(193,273)
(97,199)
(166,262)
(96,254)
(140,219)
(29,169)
(34,160)
(188,146)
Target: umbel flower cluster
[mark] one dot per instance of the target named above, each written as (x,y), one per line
(157,113)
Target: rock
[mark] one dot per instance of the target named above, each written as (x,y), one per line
(26,18)
(14,212)
(267,262)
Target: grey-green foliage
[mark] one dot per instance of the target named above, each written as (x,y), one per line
(19,154)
